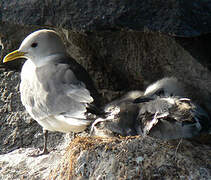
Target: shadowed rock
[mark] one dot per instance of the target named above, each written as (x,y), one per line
(176,18)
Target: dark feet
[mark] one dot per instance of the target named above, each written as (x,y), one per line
(45,150)
(37,154)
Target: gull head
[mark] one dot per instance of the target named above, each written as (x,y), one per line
(39,47)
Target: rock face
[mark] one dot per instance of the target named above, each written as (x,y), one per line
(133,158)
(173,17)
(118,43)
(18,165)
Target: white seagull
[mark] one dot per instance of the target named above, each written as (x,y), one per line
(56,91)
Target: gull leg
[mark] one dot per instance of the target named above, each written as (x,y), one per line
(45,135)
(45,150)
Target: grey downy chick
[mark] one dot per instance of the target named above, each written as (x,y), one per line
(166,113)
(120,119)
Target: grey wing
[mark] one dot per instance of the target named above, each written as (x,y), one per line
(59,92)
(60,78)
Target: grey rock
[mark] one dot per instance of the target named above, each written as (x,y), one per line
(18,165)
(177,18)
(133,158)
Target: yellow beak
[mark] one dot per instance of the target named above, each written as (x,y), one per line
(14,55)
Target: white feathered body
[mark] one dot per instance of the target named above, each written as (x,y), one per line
(54,97)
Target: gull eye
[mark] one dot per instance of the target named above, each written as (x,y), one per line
(34,45)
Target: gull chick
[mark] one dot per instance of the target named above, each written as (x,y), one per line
(162,111)
(166,113)
(56,91)
(121,117)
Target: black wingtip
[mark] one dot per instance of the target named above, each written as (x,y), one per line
(97,111)
(142,99)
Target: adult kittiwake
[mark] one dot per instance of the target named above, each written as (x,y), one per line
(56,91)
